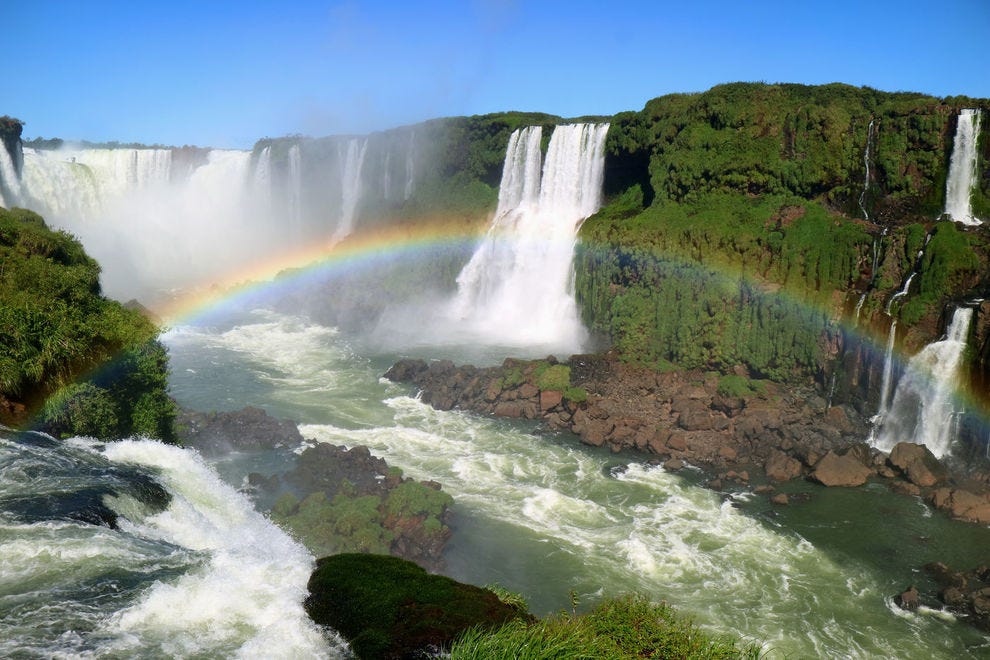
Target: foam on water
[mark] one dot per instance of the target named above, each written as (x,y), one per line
(245,598)
(543,516)
(207,576)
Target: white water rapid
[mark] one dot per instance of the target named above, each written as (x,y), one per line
(922,408)
(207,576)
(517,287)
(962,168)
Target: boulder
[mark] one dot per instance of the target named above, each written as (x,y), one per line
(918,464)
(781,467)
(965,505)
(840,470)
(248,429)
(550,399)
(386,607)
(908,600)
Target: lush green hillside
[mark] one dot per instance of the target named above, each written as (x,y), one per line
(735,231)
(85,363)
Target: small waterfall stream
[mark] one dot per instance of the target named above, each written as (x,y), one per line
(963,168)
(922,410)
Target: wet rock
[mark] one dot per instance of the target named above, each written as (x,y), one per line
(673,465)
(248,429)
(840,470)
(918,464)
(781,467)
(908,600)
(780,499)
(550,399)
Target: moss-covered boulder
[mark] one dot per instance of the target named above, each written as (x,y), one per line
(390,608)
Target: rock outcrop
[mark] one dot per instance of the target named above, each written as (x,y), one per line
(389,608)
(335,499)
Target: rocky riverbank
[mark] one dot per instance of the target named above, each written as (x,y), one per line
(741,430)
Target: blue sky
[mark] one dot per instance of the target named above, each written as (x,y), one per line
(227,73)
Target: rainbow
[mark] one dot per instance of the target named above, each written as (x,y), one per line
(390,243)
(288,269)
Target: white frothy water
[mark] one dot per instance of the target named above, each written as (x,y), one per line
(8,175)
(962,168)
(350,186)
(245,600)
(148,231)
(922,409)
(543,516)
(517,289)
(208,576)
(639,530)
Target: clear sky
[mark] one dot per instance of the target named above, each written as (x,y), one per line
(219,73)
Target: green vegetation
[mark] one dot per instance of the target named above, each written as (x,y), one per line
(740,386)
(618,629)
(387,607)
(365,523)
(555,377)
(56,328)
(730,237)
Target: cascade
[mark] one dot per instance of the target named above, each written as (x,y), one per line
(387,175)
(888,372)
(517,287)
(410,166)
(350,183)
(922,409)
(900,294)
(866,176)
(263,178)
(9,180)
(962,168)
(294,197)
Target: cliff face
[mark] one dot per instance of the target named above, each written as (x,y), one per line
(768,227)
(10,141)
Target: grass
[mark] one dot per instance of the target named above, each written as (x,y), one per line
(618,629)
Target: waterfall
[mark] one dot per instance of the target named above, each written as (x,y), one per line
(9,180)
(903,292)
(350,186)
(294,193)
(866,176)
(962,169)
(263,178)
(517,287)
(888,373)
(410,166)
(922,408)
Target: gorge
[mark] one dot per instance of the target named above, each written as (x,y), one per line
(754,248)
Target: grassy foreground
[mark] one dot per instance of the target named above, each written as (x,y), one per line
(619,628)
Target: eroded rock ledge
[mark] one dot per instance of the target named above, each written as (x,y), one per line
(727,424)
